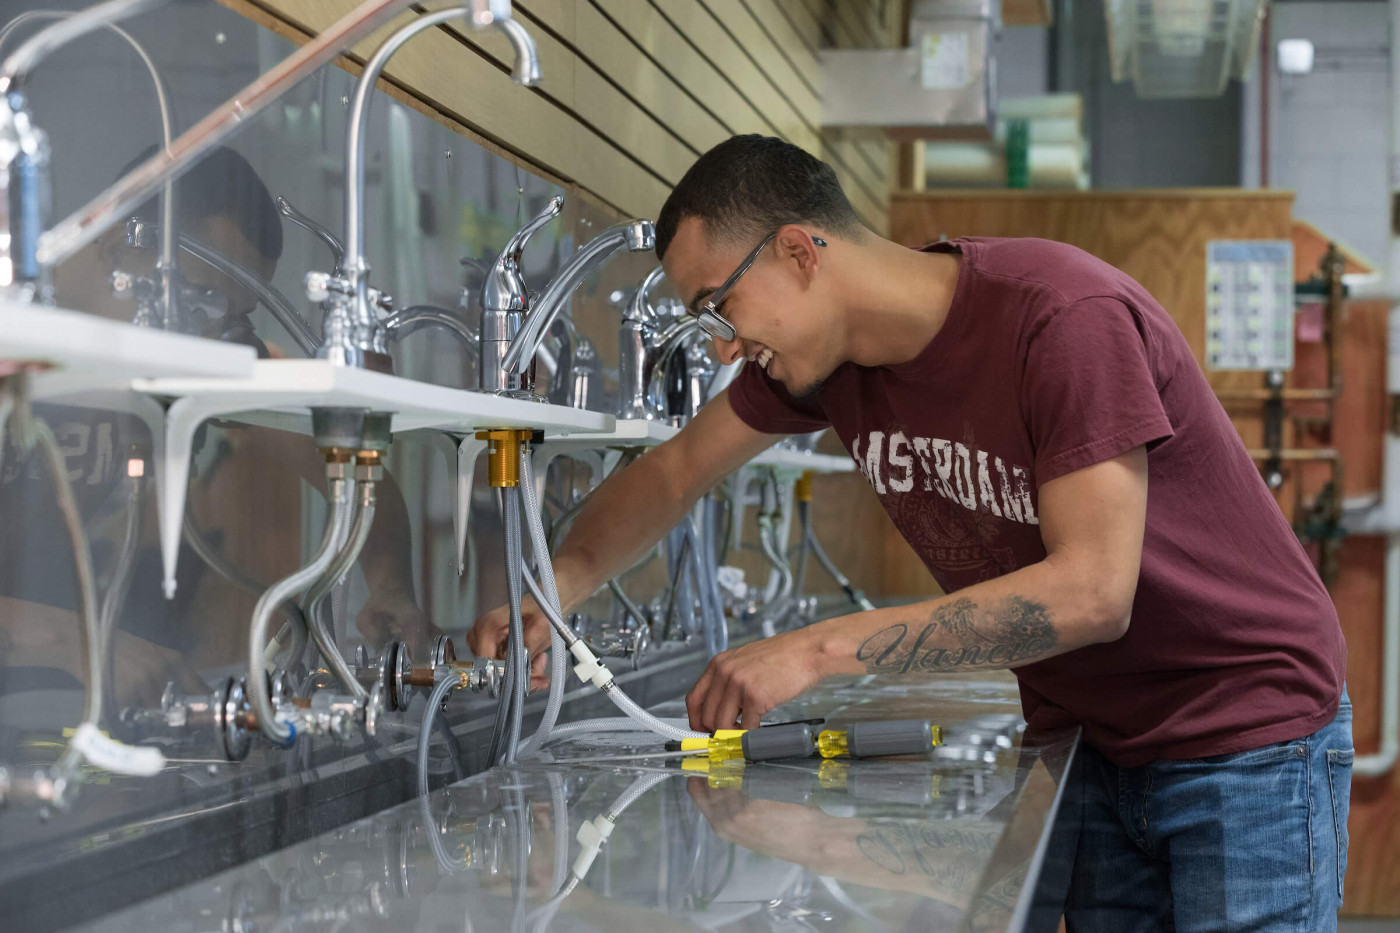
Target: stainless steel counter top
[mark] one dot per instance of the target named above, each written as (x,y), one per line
(950,842)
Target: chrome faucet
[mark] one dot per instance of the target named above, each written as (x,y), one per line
(504,304)
(635,235)
(354,335)
(25,200)
(141,234)
(650,348)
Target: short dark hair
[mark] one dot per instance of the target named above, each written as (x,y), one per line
(222,184)
(748,186)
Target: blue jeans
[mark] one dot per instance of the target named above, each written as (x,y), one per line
(1250,841)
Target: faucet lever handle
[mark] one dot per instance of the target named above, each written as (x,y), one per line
(516,244)
(285,208)
(504,289)
(640,309)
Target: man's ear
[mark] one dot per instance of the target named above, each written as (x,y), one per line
(795,243)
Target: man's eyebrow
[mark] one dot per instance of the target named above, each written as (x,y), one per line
(699,297)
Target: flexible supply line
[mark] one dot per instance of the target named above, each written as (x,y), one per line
(339,567)
(115,597)
(425,731)
(506,743)
(591,837)
(87,743)
(257,686)
(558,667)
(589,668)
(854,595)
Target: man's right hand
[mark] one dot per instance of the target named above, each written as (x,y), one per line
(487,639)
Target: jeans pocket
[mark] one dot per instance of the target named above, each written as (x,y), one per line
(1339,783)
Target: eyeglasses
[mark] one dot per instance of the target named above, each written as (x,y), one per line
(709,318)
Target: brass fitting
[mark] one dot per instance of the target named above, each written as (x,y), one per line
(368,466)
(803,487)
(504,451)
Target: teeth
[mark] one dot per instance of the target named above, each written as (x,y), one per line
(764,357)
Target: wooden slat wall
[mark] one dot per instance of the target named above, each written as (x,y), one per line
(635,90)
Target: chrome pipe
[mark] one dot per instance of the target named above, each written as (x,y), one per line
(280,591)
(345,558)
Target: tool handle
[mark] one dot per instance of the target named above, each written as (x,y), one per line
(775,742)
(894,737)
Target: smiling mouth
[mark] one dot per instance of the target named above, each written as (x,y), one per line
(764,357)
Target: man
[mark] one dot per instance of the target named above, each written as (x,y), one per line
(1038,429)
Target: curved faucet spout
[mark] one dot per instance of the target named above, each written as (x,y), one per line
(15,69)
(29,220)
(527,61)
(355,321)
(411,319)
(635,235)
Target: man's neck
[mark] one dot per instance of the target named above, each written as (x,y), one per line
(896,300)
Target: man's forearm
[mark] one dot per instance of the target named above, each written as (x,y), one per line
(1035,613)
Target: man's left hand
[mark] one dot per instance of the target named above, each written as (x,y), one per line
(742,684)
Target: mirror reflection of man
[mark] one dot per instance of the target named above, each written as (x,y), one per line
(244,495)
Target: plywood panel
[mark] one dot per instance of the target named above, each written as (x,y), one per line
(615,55)
(699,27)
(576,86)
(465,87)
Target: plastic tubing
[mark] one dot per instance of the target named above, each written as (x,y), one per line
(855,595)
(273,597)
(613,724)
(345,559)
(636,716)
(558,664)
(82,563)
(425,731)
(518,660)
(697,568)
(115,597)
(717,630)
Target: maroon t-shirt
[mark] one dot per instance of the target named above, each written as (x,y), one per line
(1051,361)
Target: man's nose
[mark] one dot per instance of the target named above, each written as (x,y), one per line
(728,350)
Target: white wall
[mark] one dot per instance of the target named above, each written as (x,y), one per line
(1328,129)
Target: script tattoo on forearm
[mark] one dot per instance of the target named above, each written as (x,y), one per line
(1013,632)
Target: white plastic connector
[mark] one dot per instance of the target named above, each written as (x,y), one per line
(591,836)
(111,755)
(589,668)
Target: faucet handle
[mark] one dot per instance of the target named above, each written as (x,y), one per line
(504,289)
(640,309)
(285,208)
(320,286)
